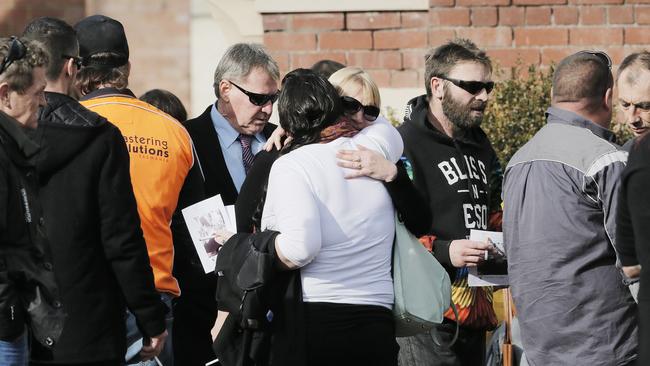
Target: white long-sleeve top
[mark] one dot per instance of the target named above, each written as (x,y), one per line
(340,231)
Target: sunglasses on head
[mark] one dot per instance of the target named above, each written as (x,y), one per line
(17,51)
(602,56)
(258,99)
(78,61)
(472,87)
(351,106)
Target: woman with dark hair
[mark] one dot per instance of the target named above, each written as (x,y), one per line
(339,232)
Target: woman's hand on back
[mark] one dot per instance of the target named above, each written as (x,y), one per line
(276,139)
(366,163)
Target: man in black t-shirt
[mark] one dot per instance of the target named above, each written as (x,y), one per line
(454,166)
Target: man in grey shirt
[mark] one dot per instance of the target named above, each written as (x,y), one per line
(560,193)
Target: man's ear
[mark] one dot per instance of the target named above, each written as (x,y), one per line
(437,88)
(224,90)
(68,68)
(609,99)
(4,95)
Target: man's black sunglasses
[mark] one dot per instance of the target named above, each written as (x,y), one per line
(472,87)
(602,56)
(17,51)
(78,61)
(258,99)
(351,106)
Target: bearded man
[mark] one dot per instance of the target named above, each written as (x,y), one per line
(455,167)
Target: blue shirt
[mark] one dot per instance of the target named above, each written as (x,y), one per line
(231,148)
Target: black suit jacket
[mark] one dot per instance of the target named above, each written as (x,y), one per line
(208,149)
(187,266)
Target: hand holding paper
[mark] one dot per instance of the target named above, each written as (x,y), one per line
(210,224)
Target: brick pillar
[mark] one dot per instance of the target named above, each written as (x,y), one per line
(15,14)
(159,42)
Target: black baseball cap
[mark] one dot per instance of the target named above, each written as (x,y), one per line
(99,34)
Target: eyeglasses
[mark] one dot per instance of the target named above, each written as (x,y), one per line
(17,51)
(473,87)
(78,61)
(602,56)
(351,106)
(258,99)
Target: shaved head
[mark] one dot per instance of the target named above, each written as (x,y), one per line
(582,77)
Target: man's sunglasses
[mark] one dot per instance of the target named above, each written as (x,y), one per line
(258,99)
(602,56)
(17,51)
(351,106)
(472,87)
(78,61)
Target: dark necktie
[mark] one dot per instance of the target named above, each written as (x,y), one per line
(246,152)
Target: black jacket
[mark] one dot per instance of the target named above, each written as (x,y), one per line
(187,266)
(93,225)
(633,233)
(460,178)
(215,171)
(26,277)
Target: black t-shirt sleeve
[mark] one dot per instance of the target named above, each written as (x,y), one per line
(409,203)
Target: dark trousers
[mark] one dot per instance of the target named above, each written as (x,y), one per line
(194,316)
(354,335)
(422,350)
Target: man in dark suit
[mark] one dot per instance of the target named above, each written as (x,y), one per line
(226,136)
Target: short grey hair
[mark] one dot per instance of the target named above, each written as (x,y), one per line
(240,59)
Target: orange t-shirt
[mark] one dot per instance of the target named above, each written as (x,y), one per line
(160,151)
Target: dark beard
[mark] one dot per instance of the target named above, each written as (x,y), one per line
(459,114)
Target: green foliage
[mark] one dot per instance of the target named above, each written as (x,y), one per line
(391,115)
(516,110)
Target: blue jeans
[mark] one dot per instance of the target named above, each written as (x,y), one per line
(14,353)
(134,339)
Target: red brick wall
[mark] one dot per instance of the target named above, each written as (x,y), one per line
(391,45)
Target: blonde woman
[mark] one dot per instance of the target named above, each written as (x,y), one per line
(362,103)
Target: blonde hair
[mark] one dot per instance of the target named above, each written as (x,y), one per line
(348,78)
